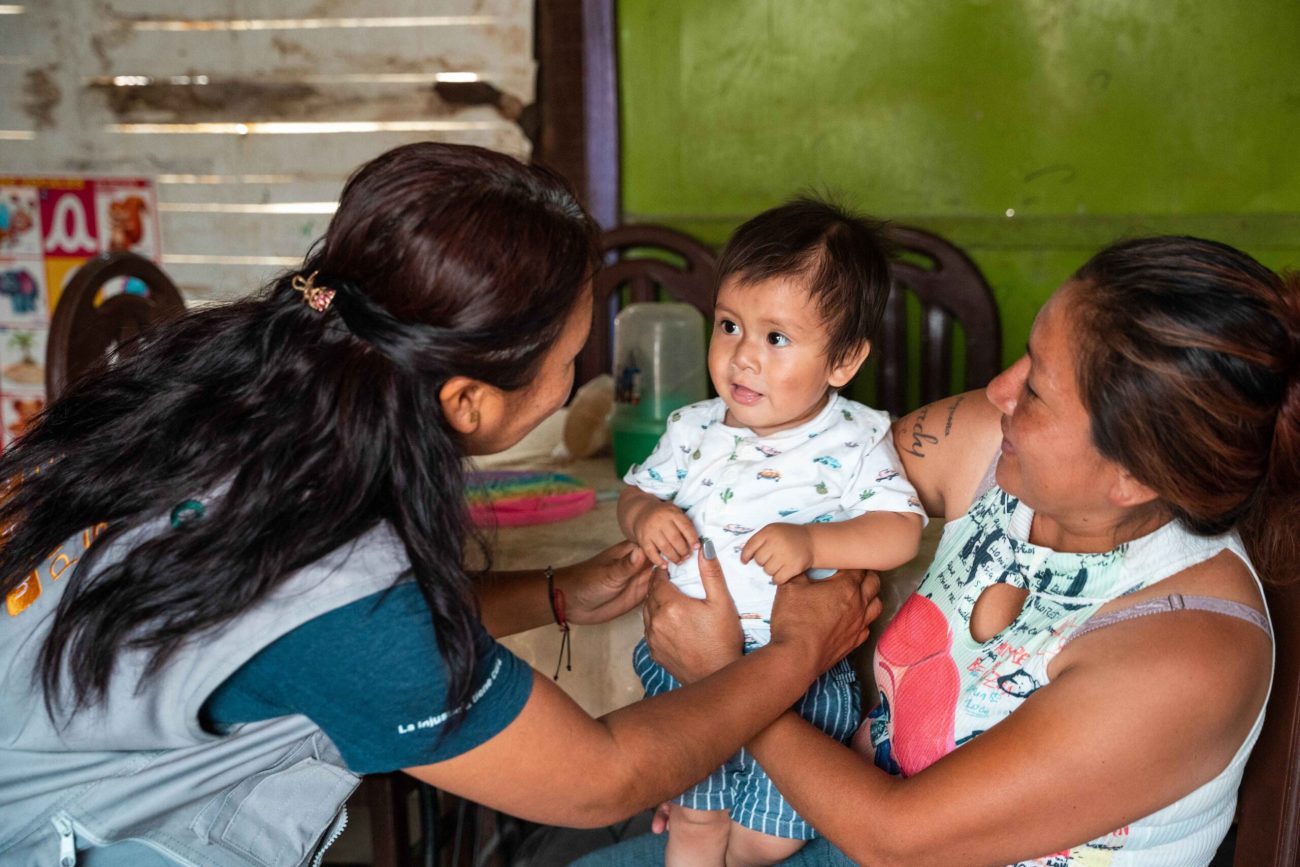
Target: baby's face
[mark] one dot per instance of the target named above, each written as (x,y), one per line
(767,355)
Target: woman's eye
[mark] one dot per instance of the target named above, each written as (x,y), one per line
(726,326)
(777,339)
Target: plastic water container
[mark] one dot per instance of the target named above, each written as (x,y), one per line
(659,366)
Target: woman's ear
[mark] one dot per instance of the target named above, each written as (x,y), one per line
(1127,492)
(841,373)
(462,404)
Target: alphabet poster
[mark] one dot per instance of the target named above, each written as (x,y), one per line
(49,227)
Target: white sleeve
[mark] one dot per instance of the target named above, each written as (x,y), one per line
(879,484)
(661,474)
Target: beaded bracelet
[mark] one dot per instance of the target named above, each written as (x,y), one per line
(556,597)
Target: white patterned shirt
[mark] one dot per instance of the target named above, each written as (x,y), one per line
(731,483)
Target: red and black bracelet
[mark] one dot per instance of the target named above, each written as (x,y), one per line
(556,596)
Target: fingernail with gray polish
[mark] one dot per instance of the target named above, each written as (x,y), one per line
(709,553)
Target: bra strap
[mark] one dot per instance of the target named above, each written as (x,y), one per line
(1176,602)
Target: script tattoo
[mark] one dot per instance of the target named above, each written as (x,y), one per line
(919,437)
(952,410)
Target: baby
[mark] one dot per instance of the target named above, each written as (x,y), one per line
(783,475)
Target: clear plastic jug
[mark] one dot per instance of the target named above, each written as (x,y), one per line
(659,366)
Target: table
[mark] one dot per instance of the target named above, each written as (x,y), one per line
(602,679)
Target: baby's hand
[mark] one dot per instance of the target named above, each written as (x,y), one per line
(665,533)
(783,550)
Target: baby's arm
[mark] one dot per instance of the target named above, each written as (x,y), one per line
(875,540)
(661,529)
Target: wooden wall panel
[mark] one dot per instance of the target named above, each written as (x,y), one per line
(250,114)
(260,10)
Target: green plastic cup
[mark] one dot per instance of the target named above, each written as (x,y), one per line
(633,436)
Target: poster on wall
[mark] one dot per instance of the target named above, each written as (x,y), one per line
(49,227)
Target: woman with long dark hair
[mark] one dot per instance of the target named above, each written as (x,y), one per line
(234,564)
(1082,673)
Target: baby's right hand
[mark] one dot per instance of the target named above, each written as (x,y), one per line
(665,534)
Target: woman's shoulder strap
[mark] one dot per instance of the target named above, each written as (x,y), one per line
(1176,602)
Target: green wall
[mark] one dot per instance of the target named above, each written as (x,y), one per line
(1030,132)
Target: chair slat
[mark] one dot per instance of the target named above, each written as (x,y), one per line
(936,353)
(691,282)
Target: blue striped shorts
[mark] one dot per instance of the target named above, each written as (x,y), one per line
(740,786)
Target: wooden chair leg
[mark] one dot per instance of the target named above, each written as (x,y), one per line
(390,832)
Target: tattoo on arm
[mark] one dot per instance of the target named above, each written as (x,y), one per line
(919,437)
(952,410)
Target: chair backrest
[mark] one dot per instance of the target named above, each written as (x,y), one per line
(1268,818)
(82,331)
(644,259)
(950,288)
(947,283)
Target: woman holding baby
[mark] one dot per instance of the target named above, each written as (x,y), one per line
(1081,675)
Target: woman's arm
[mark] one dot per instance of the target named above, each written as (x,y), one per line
(1119,733)
(946,448)
(596,590)
(555,764)
(1134,717)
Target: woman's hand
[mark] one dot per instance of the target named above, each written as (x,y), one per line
(830,617)
(606,585)
(693,638)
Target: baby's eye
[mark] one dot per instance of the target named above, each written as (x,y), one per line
(777,339)
(726,326)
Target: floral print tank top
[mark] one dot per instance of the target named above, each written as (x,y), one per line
(939,687)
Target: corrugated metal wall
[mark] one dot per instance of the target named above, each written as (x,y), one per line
(249,114)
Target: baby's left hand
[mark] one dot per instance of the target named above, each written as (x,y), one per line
(783,550)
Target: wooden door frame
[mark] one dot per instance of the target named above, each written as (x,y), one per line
(577,100)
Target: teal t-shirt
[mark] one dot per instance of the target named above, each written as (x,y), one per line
(371,676)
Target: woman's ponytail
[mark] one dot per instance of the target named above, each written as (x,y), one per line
(1271,531)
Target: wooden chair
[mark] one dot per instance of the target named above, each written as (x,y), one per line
(950,289)
(84,329)
(947,283)
(644,259)
(1268,818)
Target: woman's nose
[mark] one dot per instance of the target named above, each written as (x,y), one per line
(1004,390)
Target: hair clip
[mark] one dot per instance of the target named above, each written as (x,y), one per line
(318,298)
(186,513)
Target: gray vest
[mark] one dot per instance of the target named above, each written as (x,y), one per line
(139,767)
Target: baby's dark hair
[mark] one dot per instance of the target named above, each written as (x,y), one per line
(843,255)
